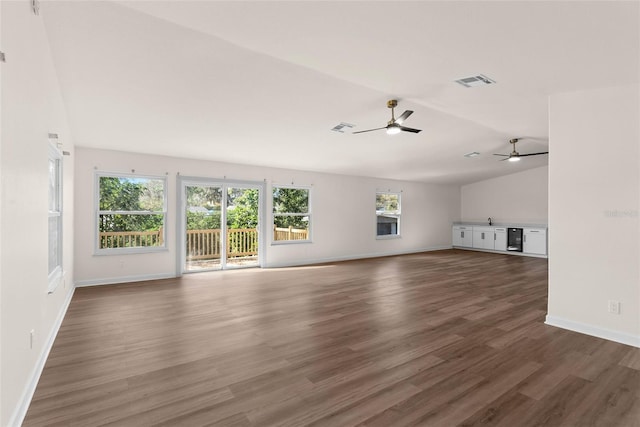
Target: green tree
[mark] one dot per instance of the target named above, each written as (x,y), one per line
(243,212)
(203,221)
(387,202)
(290,201)
(134,195)
(203,208)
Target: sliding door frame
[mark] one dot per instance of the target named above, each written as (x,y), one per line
(224,184)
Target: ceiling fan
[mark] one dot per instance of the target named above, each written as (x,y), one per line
(394,125)
(514,156)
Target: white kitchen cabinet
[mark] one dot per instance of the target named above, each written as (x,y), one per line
(483,238)
(534,238)
(462,236)
(534,241)
(500,238)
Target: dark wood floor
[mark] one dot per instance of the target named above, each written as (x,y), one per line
(437,339)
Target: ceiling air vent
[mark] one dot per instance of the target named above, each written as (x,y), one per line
(340,128)
(472,154)
(475,81)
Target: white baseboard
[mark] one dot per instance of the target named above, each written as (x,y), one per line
(595,331)
(124,279)
(27,394)
(352,257)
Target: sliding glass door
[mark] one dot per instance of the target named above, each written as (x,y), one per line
(242,213)
(203,231)
(220,224)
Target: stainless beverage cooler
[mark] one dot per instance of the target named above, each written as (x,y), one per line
(514,239)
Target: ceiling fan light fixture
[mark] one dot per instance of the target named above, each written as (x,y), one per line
(394,125)
(393,129)
(514,156)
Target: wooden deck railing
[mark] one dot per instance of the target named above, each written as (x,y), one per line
(290,233)
(242,242)
(202,244)
(205,244)
(130,239)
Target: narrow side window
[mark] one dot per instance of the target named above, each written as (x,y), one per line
(55,217)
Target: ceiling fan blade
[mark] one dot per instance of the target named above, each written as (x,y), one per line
(410,129)
(403,116)
(502,160)
(504,155)
(534,154)
(368,130)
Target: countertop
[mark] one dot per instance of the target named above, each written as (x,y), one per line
(500,224)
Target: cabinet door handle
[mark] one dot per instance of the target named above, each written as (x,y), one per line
(494,237)
(462,234)
(482,236)
(524,238)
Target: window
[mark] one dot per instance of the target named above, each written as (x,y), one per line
(291,214)
(55,217)
(388,214)
(131,213)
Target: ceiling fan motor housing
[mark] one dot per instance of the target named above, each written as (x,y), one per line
(514,155)
(395,125)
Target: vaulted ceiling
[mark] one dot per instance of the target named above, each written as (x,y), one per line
(263,83)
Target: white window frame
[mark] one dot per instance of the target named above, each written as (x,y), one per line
(308,215)
(398,213)
(56,274)
(98,212)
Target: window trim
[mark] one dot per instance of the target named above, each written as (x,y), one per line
(97,212)
(308,214)
(55,277)
(398,234)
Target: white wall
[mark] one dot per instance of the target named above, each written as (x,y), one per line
(2,411)
(594,247)
(343,215)
(517,198)
(32,108)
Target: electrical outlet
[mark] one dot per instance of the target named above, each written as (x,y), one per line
(32,336)
(614,307)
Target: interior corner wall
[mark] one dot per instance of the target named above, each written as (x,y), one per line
(342,214)
(521,198)
(1,205)
(594,192)
(32,108)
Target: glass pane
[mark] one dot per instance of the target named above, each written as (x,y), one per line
(54,202)
(131,194)
(203,240)
(54,243)
(242,226)
(130,231)
(387,225)
(387,203)
(290,228)
(204,206)
(290,200)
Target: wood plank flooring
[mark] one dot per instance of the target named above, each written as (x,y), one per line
(447,338)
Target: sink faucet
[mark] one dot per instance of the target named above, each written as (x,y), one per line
(490,223)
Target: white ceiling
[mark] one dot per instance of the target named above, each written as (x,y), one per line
(262,83)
